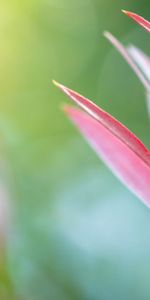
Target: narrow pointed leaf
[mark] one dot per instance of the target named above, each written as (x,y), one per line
(108,121)
(138,19)
(122,160)
(129,59)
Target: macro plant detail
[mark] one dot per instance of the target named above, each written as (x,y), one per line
(118,147)
(140,20)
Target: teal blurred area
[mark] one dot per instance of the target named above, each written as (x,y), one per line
(75,232)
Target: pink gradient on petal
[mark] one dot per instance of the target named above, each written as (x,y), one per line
(124,162)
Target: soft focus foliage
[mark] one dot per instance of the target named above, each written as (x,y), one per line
(76,232)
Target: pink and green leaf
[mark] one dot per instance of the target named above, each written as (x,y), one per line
(138,19)
(119,148)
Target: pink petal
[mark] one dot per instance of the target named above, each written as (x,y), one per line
(109,122)
(125,163)
(140,20)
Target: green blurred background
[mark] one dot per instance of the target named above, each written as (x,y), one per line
(75,233)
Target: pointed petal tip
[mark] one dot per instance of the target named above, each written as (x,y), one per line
(126,12)
(68,109)
(106,33)
(71,111)
(56,83)
(109,36)
(61,86)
